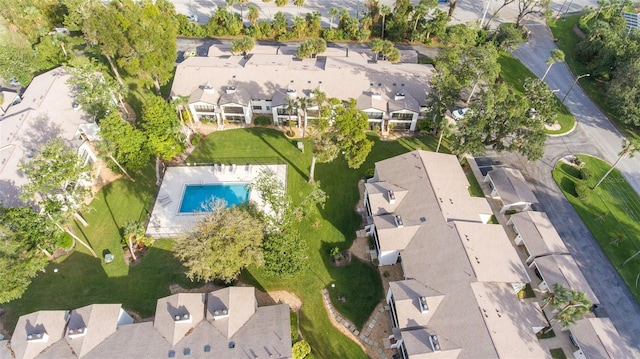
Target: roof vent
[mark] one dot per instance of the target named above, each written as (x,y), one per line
(182,318)
(38,337)
(392,197)
(423,219)
(435,345)
(186,351)
(220,313)
(232,345)
(399,96)
(424,308)
(207,348)
(172,354)
(230,89)
(76,333)
(398,221)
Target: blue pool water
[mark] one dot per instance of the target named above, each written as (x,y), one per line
(196,196)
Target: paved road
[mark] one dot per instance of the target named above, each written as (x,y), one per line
(466,10)
(594,135)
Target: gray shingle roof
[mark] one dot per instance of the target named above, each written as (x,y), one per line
(263,75)
(511,186)
(262,332)
(598,338)
(440,263)
(563,269)
(46,111)
(538,233)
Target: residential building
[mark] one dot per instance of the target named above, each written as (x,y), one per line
(547,254)
(226,323)
(597,338)
(459,296)
(7,99)
(509,186)
(224,88)
(47,110)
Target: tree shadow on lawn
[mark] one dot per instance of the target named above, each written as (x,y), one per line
(355,289)
(82,280)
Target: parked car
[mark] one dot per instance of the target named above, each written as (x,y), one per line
(193,17)
(459,113)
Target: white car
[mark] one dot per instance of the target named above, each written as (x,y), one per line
(459,113)
(193,17)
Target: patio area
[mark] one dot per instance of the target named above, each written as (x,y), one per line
(167,221)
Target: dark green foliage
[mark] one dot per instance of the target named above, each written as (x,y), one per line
(64,240)
(586,174)
(583,192)
(242,45)
(124,142)
(262,121)
(508,37)
(311,47)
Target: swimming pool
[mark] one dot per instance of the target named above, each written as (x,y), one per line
(196,196)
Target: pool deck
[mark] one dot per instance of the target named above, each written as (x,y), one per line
(166,220)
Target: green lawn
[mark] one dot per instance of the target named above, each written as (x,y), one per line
(567,40)
(335,225)
(83,279)
(514,73)
(611,212)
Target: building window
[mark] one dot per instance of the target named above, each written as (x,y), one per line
(234,109)
(204,108)
(402,116)
(400,126)
(374,115)
(257,107)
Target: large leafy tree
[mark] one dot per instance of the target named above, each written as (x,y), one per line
(54,175)
(17,61)
(123,144)
(160,124)
(153,41)
(18,265)
(526,7)
(502,121)
(97,92)
(624,91)
(311,47)
(106,29)
(284,248)
(222,244)
(541,100)
(349,128)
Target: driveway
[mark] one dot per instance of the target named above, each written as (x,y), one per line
(594,135)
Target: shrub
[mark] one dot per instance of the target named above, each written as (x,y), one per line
(586,174)
(583,191)
(196,139)
(425,127)
(64,240)
(262,121)
(369,172)
(300,349)
(290,133)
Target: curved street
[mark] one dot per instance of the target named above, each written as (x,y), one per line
(594,135)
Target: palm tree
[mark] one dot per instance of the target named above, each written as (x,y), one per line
(325,148)
(299,4)
(576,307)
(132,231)
(557,297)
(384,11)
(557,55)
(333,12)
(303,104)
(181,104)
(253,14)
(629,148)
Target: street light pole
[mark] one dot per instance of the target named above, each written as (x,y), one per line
(573,84)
